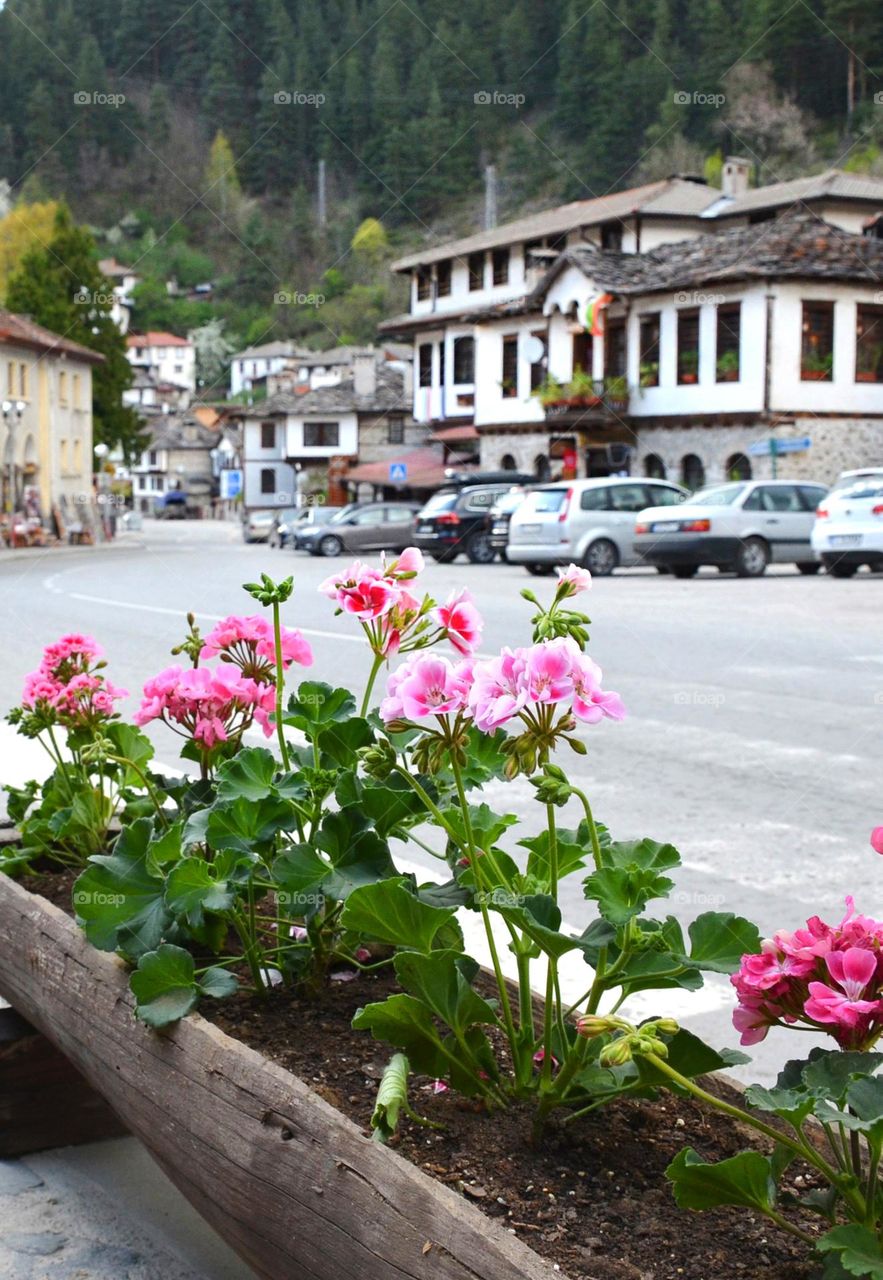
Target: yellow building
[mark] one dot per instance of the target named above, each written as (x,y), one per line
(45,419)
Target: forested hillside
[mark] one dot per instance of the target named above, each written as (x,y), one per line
(115,104)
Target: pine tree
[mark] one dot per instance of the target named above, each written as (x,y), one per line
(47,286)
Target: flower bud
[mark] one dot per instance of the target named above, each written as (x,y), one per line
(666,1026)
(592,1024)
(617,1053)
(378,761)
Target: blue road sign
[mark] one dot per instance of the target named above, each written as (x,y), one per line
(398,473)
(763,448)
(231,483)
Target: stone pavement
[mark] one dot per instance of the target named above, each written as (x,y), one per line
(103,1212)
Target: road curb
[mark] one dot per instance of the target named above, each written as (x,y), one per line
(42,553)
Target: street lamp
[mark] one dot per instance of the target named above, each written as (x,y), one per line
(12,416)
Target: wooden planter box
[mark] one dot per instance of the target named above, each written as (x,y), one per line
(291,1184)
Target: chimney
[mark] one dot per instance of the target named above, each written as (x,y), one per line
(735,176)
(365,372)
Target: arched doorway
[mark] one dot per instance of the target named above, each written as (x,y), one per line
(692,471)
(541,467)
(738,467)
(654,467)
(508,463)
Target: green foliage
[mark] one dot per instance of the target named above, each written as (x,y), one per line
(166,986)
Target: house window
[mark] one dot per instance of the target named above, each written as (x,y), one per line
(501,266)
(268,480)
(78,456)
(817,346)
(424,284)
(153,458)
(614,349)
(509,381)
(268,435)
(23,381)
(692,471)
(538,367)
(648,354)
(476,272)
(77,398)
(464,360)
(395,431)
(869,344)
(10,377)
(442,352)
(321,435)
(582,352)
(443,278)
(688,346)
(611,237)
(424,356)
(62,455)
(729,330)
(62,387)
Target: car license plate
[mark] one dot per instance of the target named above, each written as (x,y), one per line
(665,526)
(424,528)
(530,528)
(845,540)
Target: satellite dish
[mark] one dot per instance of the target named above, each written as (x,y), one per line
(534,349)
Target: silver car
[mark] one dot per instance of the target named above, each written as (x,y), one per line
(587,522)
(741,527)
(374,526)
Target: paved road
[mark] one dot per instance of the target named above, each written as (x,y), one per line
(755,707)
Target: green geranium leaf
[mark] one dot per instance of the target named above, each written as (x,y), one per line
(623,893)
(540,918)
(316,704)
(408,1024)
(119,900)
(164,985)
(857,1249)
(241,825)
(194,887)
(745,1179)
(828,1073)
(691,1057)
(389,912)
(572,856)
(443,981)
(392,1098)
(720,939)
(218,982)
(646,854)
(791,1105)
(487,826)
(342,741)
(299,873)
(248,776)
(164,850)
(133,745)
(387,806)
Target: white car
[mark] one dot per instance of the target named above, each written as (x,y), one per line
(848,531)
(587,522)
(849,479)
(741,527)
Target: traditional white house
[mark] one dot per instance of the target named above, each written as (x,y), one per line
(666,328)
(249,369)
(167,359)
(124,279)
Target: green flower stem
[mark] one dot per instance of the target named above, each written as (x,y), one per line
(148,786)
(593,830)
(251,952)
(432,807)
(798,1145)
(280,687)
(369,687)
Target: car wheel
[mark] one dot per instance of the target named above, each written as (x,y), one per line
(662,568)
(330,545)
(601,558)
(479,549)
(444,557)
(808,567)
(540,570)
(753,558)
(842,570)
(685,570)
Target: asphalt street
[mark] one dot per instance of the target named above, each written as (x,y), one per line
(753,739)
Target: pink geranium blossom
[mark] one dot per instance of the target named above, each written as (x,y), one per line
(69,687)
(362,590)
(210,705)
(877,839)
(574,579)
(427,686)
(553,672)
(249,643)
(460,621)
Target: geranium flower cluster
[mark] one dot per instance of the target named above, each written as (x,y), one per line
(210,705)
(69,688)
(215,704)
(828,977)
(249,643)
(393,618)
(493,692)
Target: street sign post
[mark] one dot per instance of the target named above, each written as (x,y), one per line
(231,483)
(398,472)
(773,448)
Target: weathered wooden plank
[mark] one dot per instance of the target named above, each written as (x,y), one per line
(290,1183)
(44,1101)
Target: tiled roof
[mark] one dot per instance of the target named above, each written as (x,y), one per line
(670,197)
(156,338)
(174,432)
(797,246)
(23,331)
(267,350)
(408,323)
(341,398)
(833,183)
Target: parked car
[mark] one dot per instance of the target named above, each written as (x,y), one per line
(257,525)
(454,521)
(848,531)
(291,522)
(587,522)
(739,527)
(368,526)
(497,519)
(848,479)
(171,505)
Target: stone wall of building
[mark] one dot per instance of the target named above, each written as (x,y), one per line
(525,447)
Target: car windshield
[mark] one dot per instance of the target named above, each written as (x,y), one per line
(722,495)
(545,501)
(865,490)
(507,503)
(343,513)
(439,502)
(850,482)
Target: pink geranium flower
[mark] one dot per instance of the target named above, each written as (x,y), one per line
(427,686)
(844,1005)
(362,591)
(69,687)
(877,839)
(249,643)
(460,621)
(575,579)
(499,690)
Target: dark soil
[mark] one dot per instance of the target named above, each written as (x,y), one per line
(592,1197)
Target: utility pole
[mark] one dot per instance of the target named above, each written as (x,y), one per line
(322,202)
(490,197)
